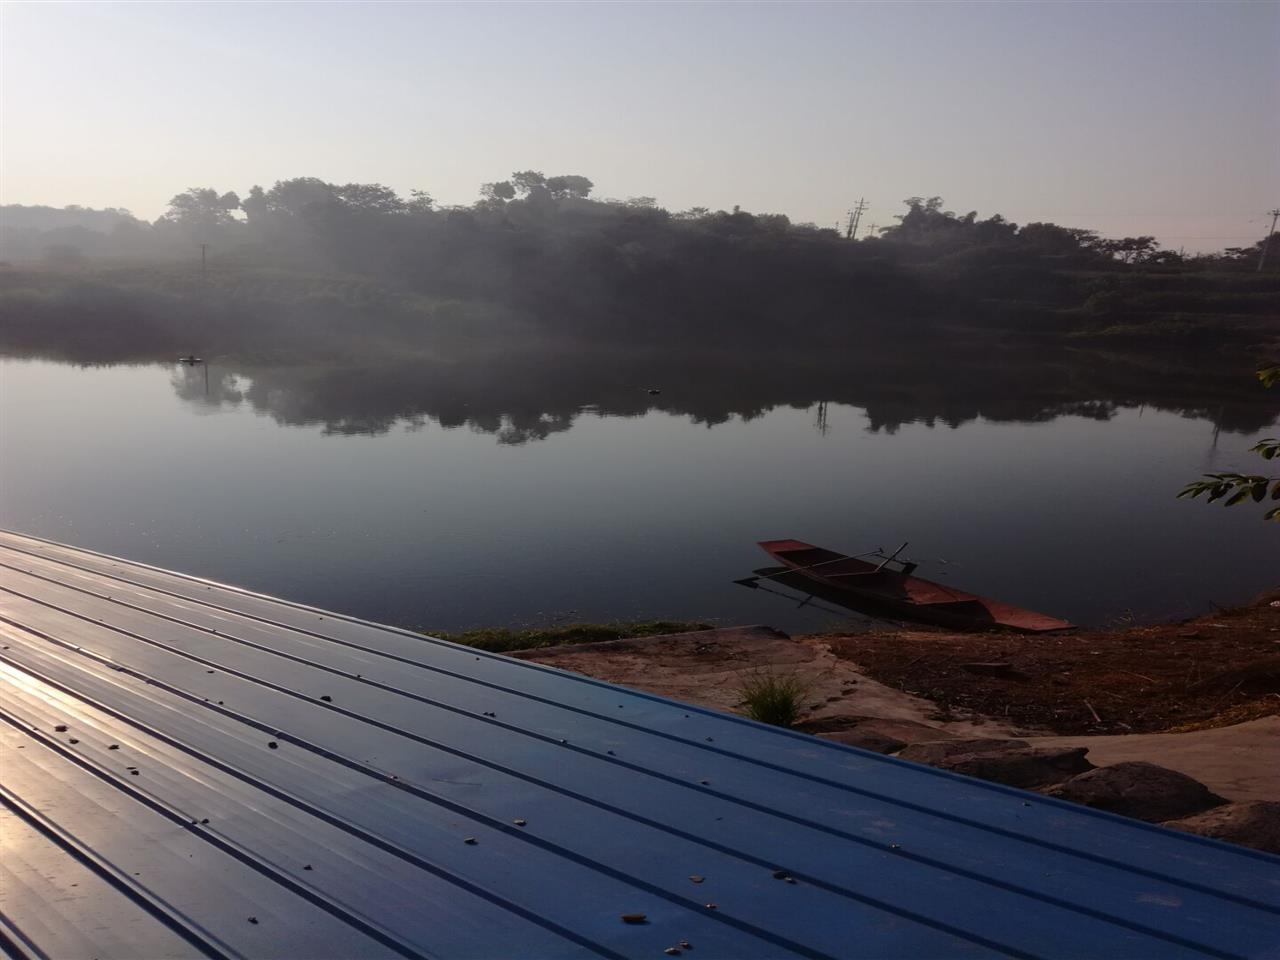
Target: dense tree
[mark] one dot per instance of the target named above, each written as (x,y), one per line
(1051,239)
(569,185)
(420,202)
(1130,249)
(255,205)
(501,191)
(202,210)
(369,198)
(527,181)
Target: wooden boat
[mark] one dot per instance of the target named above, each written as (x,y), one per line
(890,586)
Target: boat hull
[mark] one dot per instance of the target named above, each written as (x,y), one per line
(859,584)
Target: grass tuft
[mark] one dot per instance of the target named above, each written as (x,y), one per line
(773,698)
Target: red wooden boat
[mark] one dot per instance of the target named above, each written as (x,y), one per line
(895,589)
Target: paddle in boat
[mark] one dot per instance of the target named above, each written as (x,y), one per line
(889,586)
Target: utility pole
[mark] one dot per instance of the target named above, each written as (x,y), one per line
(204,247)
(1262,257)
(855,215)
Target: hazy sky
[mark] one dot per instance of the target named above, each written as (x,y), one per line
(1159,118)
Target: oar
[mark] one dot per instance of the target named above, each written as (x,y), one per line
(878,552)
(892,556)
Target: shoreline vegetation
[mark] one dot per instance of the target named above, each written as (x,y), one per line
(349,305)
(504,639)
(296,268)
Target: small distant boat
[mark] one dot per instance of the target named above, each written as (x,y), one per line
(191,358)
(858,582)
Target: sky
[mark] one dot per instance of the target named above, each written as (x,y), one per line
(1130,118)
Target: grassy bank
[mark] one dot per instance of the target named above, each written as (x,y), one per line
(504,639)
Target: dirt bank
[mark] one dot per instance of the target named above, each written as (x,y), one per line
(1207,672)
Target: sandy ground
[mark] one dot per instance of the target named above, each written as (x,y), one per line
(1239,761)
(708,668)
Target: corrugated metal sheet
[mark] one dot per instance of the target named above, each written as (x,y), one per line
(192,769)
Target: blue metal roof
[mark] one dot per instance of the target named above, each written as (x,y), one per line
(193,769)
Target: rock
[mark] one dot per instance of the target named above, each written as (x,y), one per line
(1032,767)
(866,740)
(994,670)
(837,722)
(1254,823)
(1011,762)
(935,752)
(1138,789)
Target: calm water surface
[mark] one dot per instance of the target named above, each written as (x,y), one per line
(582,514)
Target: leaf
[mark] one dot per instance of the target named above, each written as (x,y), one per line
(1275,491)
(1272,514)
(1258,491)
(1237,497)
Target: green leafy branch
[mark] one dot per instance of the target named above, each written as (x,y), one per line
(1233,488)
(1237,488)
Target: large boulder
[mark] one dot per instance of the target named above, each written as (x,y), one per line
(1011,762)
(1138,789)
(936,752)
(1253,823)
(865,739)
(881,734)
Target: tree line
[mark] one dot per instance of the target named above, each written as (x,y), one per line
(546,246)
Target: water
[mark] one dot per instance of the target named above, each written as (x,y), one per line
(551,494)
